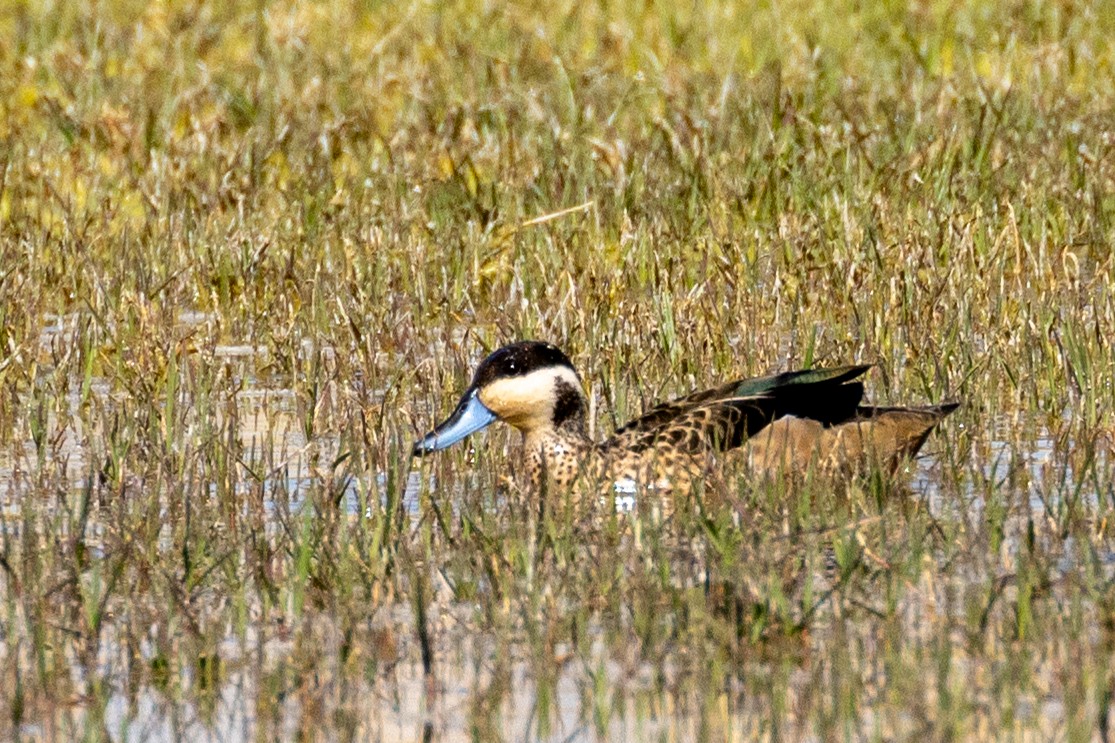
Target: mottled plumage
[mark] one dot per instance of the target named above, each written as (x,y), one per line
(783,424)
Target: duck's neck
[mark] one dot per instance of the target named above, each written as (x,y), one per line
(555,453)
(569,413)
(570,428)
(555,456)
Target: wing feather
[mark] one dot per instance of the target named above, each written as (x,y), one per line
(819,394)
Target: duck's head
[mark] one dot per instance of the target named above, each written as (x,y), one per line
(530,384)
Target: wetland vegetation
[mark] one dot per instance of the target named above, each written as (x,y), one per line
(249,252)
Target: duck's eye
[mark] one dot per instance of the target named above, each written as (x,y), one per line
(512,367)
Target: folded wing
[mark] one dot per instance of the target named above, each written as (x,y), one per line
(724,417)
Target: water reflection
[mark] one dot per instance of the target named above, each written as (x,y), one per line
(1038,474)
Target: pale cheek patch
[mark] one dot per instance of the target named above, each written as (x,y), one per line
(527,402)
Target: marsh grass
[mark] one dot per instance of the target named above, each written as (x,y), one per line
(249,252)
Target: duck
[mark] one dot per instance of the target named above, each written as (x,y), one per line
(785,424)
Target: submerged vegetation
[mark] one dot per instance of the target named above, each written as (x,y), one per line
(248,251)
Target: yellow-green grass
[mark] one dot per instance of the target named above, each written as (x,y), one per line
(249,251)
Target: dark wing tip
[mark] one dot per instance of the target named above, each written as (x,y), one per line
(832,376)
(841,374)
(945,408)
